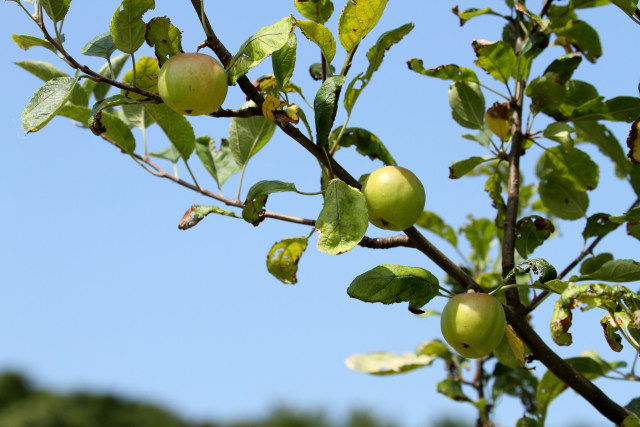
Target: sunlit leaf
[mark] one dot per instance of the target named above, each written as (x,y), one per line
(164,37)
(259,46)
(127,28)
(357,20)
(383,363)
(317,10)
(175,126)
(46,102)
(343,220)
(283,258)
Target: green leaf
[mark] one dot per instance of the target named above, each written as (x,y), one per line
(357,19)
(550,386)
(343,220)
(283,258)
(516,382)
(597,134)
(634,406)
(435,347)
(101,46)
(560,132)
(632,214)
(218,161)
(629,7)
(284,61)
(47,101)
(259,46)
(118,132)
(531,232)
(480,234)
(467,104)
(136,115)
(383,363)
(562,197)
(257,198)
(391,284)
(111,126)
(497,58)
(444,72)
(127,27)
(634,178)
(164,37)
(453,390)
(169,153)
(618,109)
(253,210)
(320,35)
(94,122)
(620,270)
(582,37)
(564,66)
(365,142)
(432,222)
(46,72)
(55,9)
(325,109)
(269,187)
(175,126)
(196,213)
(247,136)
(597,225)
(481,137)
(317,10)
(375,56)
(572,164)
(26,42)
(77,113)
(593,263)
(463,167)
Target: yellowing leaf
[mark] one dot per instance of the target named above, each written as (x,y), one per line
(357,19)
(283,258)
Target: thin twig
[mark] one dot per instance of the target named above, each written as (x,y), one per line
(513,183)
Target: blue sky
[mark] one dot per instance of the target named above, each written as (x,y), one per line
(99,289)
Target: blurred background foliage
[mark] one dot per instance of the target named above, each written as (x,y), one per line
(24,405)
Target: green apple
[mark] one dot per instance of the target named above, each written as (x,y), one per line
(192,83)
(395,198)
(473,324)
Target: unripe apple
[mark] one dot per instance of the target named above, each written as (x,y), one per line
(473,324)
(192,83)
(395,198)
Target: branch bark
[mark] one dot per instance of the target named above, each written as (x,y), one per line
(513,184)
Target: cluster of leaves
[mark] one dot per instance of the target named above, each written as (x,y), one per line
(565,174)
